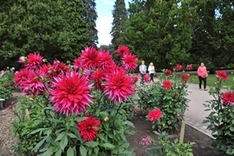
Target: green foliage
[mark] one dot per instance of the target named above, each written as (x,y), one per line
(164,147)
(161,31)
(6,83)
(220,120)
(56,29)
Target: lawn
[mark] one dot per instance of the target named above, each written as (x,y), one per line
(211,79)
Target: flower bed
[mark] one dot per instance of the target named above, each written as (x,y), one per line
(6,85)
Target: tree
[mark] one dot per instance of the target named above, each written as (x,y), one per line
(213,42)
(119,22)
(90,16)
(56,29)
(162,33)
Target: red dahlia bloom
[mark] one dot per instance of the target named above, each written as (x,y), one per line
(185,77)
(34,61)
(71,93)
(228,98)
(167,84)
(155,114)
(88,128)
(129,61)
(222,75)
(122,50)
(168,72)
(98,77)
(77,63)
(20,77)
(106,60)
(179,67)
(118,86)
(189,67)
(90,58)
(146,78)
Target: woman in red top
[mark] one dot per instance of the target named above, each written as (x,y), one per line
(202,75)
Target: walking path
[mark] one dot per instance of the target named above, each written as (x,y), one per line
(196,113)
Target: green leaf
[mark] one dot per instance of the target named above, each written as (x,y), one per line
(108,145)
(58,153)
(91,144)
(83,151)
(63,142)
(60,136)
(71,152)
(39,144)
(71,135)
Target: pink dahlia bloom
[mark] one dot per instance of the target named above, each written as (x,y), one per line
(168,72)
(71,93)
(222,75)
(77,64)
(185,77)
(106,60)
(146,78)
(129,61)
(34,61)
(90,58)
(179,67)
(146,141)
(228,98)
(98,77)
(189,67)
(22,59)
(167,84)
(118,86)
(122,50)
(155,115)
(29,82)
(88,128)
(20,77)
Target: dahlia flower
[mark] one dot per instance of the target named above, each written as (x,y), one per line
(222,75)
(122,50)
(88,128)
(155,115)
(118,86)
(167,84)
(228,98)
(129,61)
(71,93)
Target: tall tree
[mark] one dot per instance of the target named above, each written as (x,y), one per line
(55,28)
(213,42)
(162,33)
(90,16)
(119,22)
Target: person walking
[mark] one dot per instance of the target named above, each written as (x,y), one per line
(202,75)
(151,70)
(142,69)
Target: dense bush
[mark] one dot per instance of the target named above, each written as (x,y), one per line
(6,83)
(221,117)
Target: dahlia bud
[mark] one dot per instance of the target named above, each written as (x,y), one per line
(106,119)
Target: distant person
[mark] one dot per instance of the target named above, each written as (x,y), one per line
(142,69)
(202,75)
(151,70)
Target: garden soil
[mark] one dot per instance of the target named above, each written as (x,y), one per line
(143,128)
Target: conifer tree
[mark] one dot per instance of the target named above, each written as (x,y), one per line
(90,16)
(120,18)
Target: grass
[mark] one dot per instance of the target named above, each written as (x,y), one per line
(211,79)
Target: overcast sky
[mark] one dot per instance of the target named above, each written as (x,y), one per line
(104,22)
